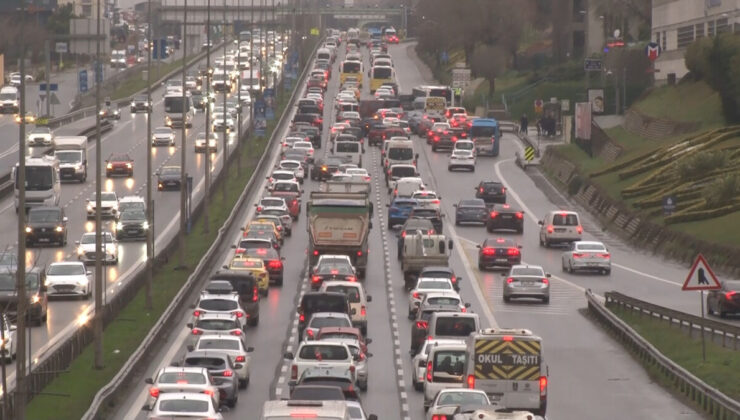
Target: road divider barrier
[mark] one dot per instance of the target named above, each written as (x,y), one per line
(710,400)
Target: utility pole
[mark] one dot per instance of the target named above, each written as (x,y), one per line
(183,156)
(47,56)
(149,209)
(225,154)
(207,150)
(21,396)
(239,95)
(99,252)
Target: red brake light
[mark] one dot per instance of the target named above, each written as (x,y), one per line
(489,251)
(228,373)
(315,279)
(309,333)
(604,255)
(550,229)
(197,331)
(238,314)
(315,253)
(422,325)
(577,255)
(350,278)
(259,209)
(403,234)
(359,253)
(471,382)
(507,338)
(730,294)
(429,372)
(453,279)
(208,392)
(435,201)
(236,332)
(519,215)
(416,295)
(545,281)
(197,313)
(512,251)
(294,372)
(509,280)
(363,311)
(579,229)
(494,214)
(275,264)
(543,385)
(154,392)
(302,318)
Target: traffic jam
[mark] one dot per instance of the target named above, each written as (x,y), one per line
(326,181)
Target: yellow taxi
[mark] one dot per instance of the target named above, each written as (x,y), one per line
(266,225)
(257,267)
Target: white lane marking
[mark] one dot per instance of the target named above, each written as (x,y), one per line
(528,212)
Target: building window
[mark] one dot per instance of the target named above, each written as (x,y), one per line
(665,42)
(699,30)
(722,26)
(711,28)
(685,36)
(657,38)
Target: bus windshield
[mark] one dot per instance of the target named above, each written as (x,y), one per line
(351,67)
(38,178)
(382,72)
(173,104)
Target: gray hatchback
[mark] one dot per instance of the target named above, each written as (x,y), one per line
(223,372)
(527,281)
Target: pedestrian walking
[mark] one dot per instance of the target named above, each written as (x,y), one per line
(523,124)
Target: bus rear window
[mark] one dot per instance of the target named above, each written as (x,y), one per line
(348,147)
(382,73)
(351,67)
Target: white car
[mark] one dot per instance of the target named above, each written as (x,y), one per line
(295,166)
(280,175)
(200,142)
(359,172)
(184,405)
(220,304)
(15,79)
(222,122)
(587,255)
(461,159)
(307,145)
(289,141)
(406,186)
(419,362)
(462,144)
(181,379)
(234,347)
(108,204)
(272,203)
(86,248)
(447,401)
(245,95)
(129,202)
(39,136)
(426,285)
(163,136)
(8,346)
(68,278)
(427,199)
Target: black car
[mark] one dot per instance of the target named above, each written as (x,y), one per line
(313,119)
(221,369)
(132,224)
(271,259)
(313,302)
(243,283)
(431,214)
(324,168)
(505,216)
(725,300)
(46,225)
(38,301)
(491,192)
(498,252)
(141,103)
(313,134)
(168,178)
(109,112)
(440,272)
(471,211)
(412,226)
(199,99)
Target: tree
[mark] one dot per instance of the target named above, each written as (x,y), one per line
(58,22)
(489,61)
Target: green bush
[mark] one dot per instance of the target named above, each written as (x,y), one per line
(693,216)
(717,61)
(697,58)
(723,191)
(700,164)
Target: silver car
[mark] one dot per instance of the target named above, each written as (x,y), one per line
(163,136)
(321,320)
(214,323)
(425,285)
(447,401)
(184,405)
(587,255)
(527,281)
(232,346)
(86,248)
(181,379)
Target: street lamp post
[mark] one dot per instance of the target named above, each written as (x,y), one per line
(99,254)
(207,150)
(149,209)
(225,152)
(183,155)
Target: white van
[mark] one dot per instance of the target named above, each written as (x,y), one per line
(406,187)
(10,100)
(43,185)
(324,54)
(397,151)
(352,150)
(560,226)
(445,369)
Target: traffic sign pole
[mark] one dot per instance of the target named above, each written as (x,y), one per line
(701,278)
(703,343)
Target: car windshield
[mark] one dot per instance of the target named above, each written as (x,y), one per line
(322,322)
(44,215)
(184,406)
(68,156)
(128,205)
(424,213)
(565,219)
(290,165)
(162,131)
(217,324)
(218,344)
(323,352)
(67,269)
(170,171)
(218,305)
(462,398)
(90,238)
(353,295)
(182,378)
(527,271)
(7,281)
(133,215)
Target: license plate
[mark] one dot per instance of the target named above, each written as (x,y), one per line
(527,284)
(43,239)
(559,230)
(506,216)
(501,260)
(592,264)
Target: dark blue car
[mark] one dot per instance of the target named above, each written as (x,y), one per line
(399,209)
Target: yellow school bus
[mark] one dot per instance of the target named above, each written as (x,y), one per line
(350,68)
(380,75)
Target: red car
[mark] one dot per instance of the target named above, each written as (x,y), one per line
(291,192)
(119,164)
(317,81)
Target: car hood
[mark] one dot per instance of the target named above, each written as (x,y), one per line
(103,203)
(51,279)
(91,247)
(162,136)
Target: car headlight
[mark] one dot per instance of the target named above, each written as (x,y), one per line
(145,225)
(119,226)
(90,207)
(128,165)
(28,229)
(80,251)
(59,228)
(83,281)
(35,299)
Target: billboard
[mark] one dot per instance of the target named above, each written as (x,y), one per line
(596,99)
(583,120)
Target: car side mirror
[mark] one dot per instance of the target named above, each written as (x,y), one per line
(288,355)
(233,246)
(467,304)
(369,298)
(225,267)
(250,349)
(88,273)
(449,244)
(190,347)
(156,173)
(519,246)
(539,222)
(77,243)
(189,325)
(175,364)
(149,381)
(146,407)
(548,275)
(372,417)
(454,205)
(370,225)
(65,219)
(368,340)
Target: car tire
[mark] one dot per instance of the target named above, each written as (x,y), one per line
(507,298)
(253,322)
(232,402)
(722,314)
(546,300)
(571,270)
(243,383)
(362,385)
(418,386)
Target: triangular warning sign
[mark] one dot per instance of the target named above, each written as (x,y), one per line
(701,277)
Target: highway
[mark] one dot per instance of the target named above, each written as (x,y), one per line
(591,376)
(127,136)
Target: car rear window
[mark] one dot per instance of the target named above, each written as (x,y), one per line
(323,322)
(403,171)
(323,304)
(184,406)
(206,362)
(454,326)
(323,352)
(348,147)
(450,362)
(590,247)
(218,305)
(526,272)
(353,295)
(435,285)
(217,324)
(425,213)
(181,378)
(219,344)
(443,301)
(565,219)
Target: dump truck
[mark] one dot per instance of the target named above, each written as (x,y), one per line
(507,364)
(422,250)
(339,223)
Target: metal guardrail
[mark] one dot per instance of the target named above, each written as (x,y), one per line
(706,398)
(681,318)
(129,369)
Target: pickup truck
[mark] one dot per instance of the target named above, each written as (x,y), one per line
(421,250)
(324,355)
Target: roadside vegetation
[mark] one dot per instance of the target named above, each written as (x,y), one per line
(721,369)
(70,394)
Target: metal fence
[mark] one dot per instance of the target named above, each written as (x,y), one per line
(707,399)
(729,333)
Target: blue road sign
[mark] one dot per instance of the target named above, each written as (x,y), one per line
(99,73)
(163,48)
(155,49)
(83,81)
(592,64)
(53,87)
(260,126)
(269,114)
(260,108)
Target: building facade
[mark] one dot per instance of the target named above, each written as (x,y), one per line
(678,23)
